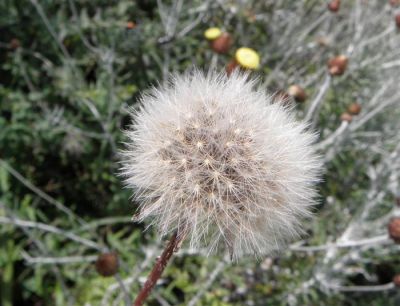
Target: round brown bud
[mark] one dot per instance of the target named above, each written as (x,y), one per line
(396,280)
(251,17)
(397,19)
(354,108)
(346,117)
(322,41)
(334,5)
(297,93)
(107,264)
(337,65)
(394,229)
(15,43)
(222,43)
(130,25)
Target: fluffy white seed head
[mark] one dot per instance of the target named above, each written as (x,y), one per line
(215,156)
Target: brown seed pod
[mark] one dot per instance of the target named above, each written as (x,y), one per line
(394,229)
(222,43)
(397,19)
(396,280)
(297,92)
(323,41)
(334,5)
(337,65)
(107,264)
(354,108)
(250,15)
(130,25)
(394,3)
(15,43)
(346,117)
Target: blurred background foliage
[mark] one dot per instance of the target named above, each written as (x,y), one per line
(70,70)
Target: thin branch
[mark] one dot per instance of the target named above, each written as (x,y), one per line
(210,281)
(57,260)
(50,229)
(376,288)
(40,193)
(128,281)
(52,32)
(103,222)
(331,139)
(315,104)
(43,248)
(383,239)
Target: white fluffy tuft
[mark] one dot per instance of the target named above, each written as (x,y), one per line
(215,156)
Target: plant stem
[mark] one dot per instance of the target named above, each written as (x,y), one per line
(162,261)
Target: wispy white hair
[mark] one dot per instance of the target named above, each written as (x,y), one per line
(216,157)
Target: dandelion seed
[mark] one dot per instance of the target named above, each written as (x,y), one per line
(240,169)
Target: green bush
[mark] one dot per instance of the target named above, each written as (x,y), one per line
(70,71)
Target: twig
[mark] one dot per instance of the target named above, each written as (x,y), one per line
(40,193)
(126,282)
(57,260)
(102,222)
(46,21)
(80,32)
(347,244)
(162,261)
(315,104)
(373,113)
(46,62)
(50,229)
(124,290)
(376,288)
(331,139)
(42,247)
(161,300)
(211,279)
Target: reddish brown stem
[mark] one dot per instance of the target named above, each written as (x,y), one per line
(159,267)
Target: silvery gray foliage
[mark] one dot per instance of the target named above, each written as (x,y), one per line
(304,35)
(215,156)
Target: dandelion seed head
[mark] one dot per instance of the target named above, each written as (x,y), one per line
(214,155)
